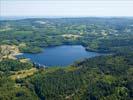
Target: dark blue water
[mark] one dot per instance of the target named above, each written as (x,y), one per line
(60,55)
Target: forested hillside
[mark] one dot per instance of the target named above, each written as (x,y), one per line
(100,78)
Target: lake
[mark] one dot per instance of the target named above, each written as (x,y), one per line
(60,55)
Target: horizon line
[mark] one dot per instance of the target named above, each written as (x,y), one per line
(6,18)
(61,16)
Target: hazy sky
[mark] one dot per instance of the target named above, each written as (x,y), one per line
(66,8)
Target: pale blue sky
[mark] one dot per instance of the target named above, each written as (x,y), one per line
(66,8)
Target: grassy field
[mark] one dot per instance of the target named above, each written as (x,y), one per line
(30,72)
(23,73)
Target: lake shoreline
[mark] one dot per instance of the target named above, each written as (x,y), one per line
(63,55)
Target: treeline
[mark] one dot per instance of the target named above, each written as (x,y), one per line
(14,65)
(9,66)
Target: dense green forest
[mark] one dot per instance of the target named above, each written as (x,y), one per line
(100,78)
(107,77)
